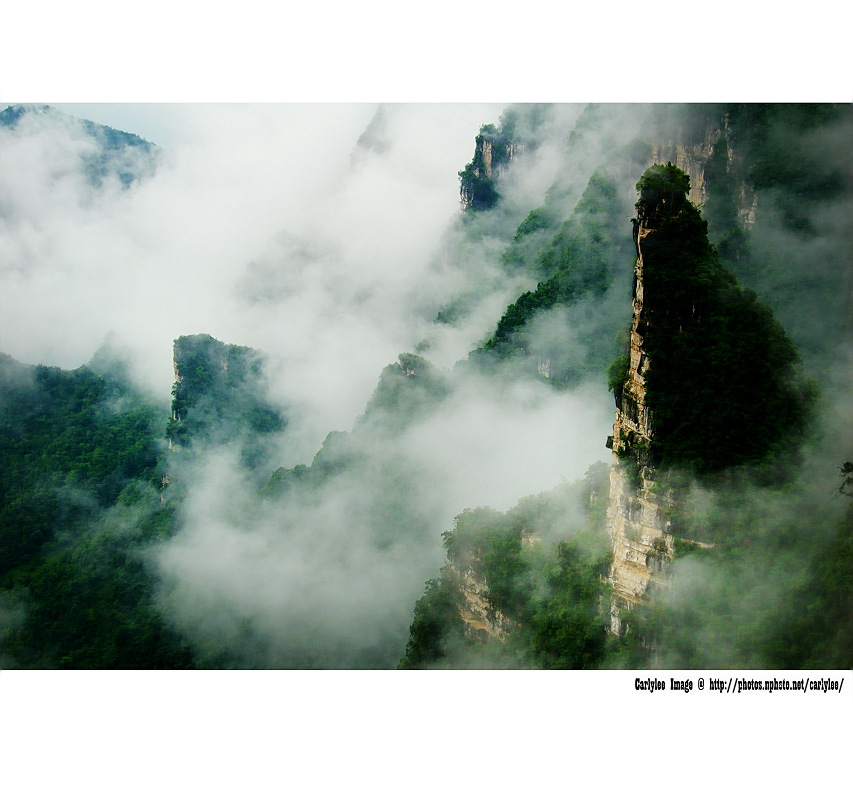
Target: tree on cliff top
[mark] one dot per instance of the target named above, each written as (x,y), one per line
(663,188)
(723,384)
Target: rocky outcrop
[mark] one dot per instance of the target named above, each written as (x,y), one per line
(480,619)
(497,155)
(694,153)
(667,421)
(219,394)
(638,513)
(494,151)
(476,606)
(691,158)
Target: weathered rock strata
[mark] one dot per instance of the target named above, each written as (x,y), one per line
(638,513)
(692,155)
(481,620)
(691,158)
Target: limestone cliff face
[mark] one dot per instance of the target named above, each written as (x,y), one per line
(691,157)
(670,241)
(637,515)
(481,620)
(494,151)
(497,156)
(693,154)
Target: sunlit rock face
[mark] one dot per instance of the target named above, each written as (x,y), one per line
(694,154)
(691,157)
(638,513)
(497,156)
(481,619)
(493,154)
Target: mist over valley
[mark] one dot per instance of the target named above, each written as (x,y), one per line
(332,386)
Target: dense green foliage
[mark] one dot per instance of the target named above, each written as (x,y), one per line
(79,501)
(775,592)
(567,630)
(494,541)
(220,395)
(88,603)
(435,623)
(617,372)
(536,220)
(580,263)
(543,563)
(663,192)
(68,440)
(705,331)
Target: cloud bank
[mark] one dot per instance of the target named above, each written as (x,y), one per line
(327,237)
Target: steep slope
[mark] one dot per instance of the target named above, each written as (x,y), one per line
(495,148)
(103,152)
(520,589)
(80,477)
(699,328)
(219,396)
(693,329)
(581,265)
(67,438)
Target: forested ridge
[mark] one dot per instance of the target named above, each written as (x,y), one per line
(81,474)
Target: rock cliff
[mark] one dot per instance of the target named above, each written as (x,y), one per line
(706,363)
(480,619)
(219,394)
(494,151)
(708,157)
(638,513)
(691,158)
